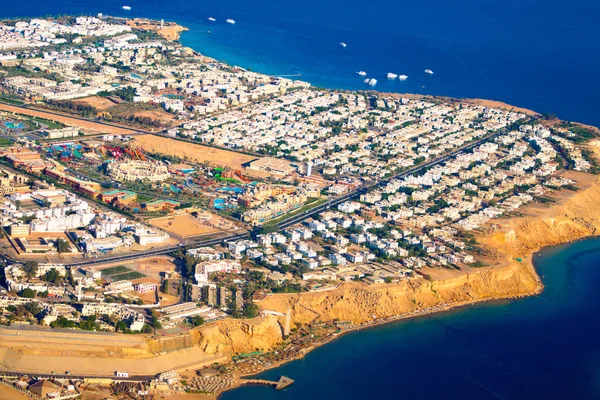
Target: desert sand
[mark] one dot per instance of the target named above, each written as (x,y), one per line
(7,393)
(192,152)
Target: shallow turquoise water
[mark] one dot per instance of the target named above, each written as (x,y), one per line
(540,55)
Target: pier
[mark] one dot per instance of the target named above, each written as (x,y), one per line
(282,383)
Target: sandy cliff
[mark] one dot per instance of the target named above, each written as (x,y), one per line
(225,337)
(359,303)
(574,217)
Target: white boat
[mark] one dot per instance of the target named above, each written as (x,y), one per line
(391,75)
(428,71)
(230,21)
(211,19)
(372,81)
(403,77)
(126,8)
(361,73)
(343,44)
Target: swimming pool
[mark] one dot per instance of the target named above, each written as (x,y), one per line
(219,204)
(13,125)
(232,189)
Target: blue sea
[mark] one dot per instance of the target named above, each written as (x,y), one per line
(540,55)
(544,347)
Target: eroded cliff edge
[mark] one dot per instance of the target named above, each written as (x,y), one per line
(509,246)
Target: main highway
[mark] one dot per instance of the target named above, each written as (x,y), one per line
(292,220)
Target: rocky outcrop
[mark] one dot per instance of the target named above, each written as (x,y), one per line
(360,303)
(232,336)
(575,218)
(225,337)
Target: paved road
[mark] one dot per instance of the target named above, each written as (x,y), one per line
(333,202)
(63,375)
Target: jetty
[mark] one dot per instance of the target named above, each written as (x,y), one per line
(282,383)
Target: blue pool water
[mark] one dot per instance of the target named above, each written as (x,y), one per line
(13,125)
(231,189)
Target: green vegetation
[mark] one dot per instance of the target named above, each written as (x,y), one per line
(251,310)
(127,276)
(71,107)
(114,270)
(310,204)
(9,100)
(29,72)
(120,273)
(53,276)
(126,93)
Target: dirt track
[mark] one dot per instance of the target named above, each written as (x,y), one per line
(44,351)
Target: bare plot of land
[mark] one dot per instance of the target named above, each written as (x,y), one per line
(192,152)
(43,351)
(164,118)
(98,102)
(7,393)
(186,225)
(87,125)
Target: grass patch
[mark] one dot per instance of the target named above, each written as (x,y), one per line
(11,101)
(115,270)
(309,205)
(5,142)
(50,124)
(131,275)
(121,273)
(143,198)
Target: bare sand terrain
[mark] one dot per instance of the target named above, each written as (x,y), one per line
(162,117)
(98,102)
(87,125)
(7,393)
(185,225)
(504,106)
(170,30)
(192,152)
(43,350)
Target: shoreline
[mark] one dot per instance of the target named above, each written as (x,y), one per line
(442,308)
(528,263)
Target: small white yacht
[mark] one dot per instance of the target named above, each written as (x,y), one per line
(126,8)
(343,44)
(428,71)
(391,75)
(230,21)
(211,19)
(361,73)
(372,81)
(403,77)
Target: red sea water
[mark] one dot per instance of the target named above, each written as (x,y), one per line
(539,55)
